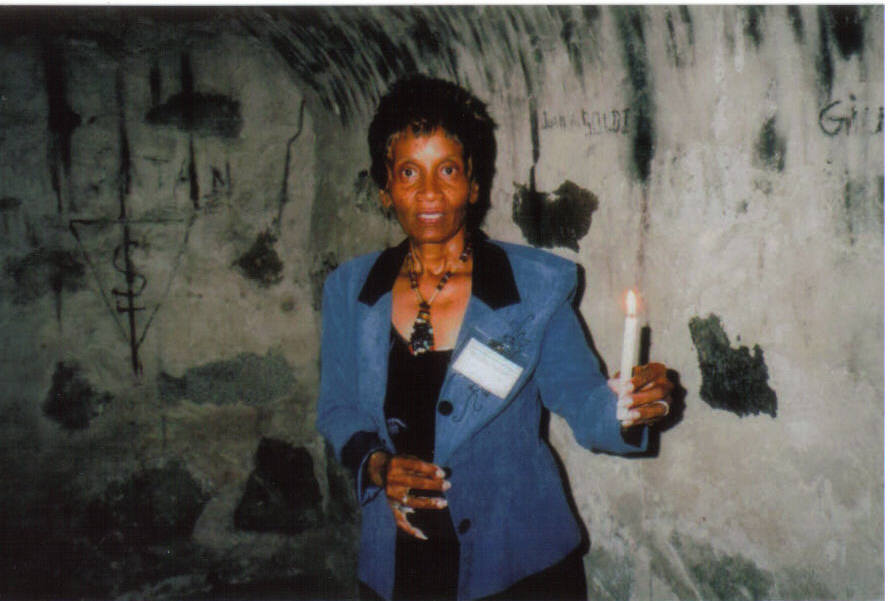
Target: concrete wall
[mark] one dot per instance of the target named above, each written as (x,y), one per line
(174,186)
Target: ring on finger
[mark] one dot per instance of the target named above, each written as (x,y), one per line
(667,407)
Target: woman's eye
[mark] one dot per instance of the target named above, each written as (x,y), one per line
(408,172)
(449,170)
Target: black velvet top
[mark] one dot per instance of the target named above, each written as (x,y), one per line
(424,569)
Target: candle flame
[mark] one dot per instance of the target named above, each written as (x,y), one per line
(631,303)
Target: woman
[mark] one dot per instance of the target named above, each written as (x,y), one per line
(439,357)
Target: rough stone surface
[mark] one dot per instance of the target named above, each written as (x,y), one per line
(248,378)
(176,185)
(158,505)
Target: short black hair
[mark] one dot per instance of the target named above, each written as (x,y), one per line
(425,104)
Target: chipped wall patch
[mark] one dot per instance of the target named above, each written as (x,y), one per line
(732,379)
(154,506)
(560,218)
(261,262)
(248,378)
(282,493)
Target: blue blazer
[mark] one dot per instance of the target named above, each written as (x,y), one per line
(506,500)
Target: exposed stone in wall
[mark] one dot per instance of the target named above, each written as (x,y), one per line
(248,378)
(282,494)
(156,506)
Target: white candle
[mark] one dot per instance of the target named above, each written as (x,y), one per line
(629,347)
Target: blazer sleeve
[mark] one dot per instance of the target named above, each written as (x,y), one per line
(571,384)
(351,431)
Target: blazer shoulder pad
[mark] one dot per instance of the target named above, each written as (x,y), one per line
(352,273)
(534,268)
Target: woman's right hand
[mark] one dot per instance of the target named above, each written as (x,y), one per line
(399,475)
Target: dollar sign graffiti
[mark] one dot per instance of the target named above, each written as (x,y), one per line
(126,299)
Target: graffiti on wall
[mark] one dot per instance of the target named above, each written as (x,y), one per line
(849,117)
(592,123)
(122,294)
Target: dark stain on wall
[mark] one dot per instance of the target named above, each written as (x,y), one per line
(686,17)
(752,25)
(197,112)
(8,203)
(571,38)
(842,27)
(732,379)
(859,210)
(681,51)
(261,262)
(71,401)
(323,266)
(154,506)
(796,19)
(824,63)
(248,378)
(591,13)
(558,219)
(630,28)
(62,120)
(45,270)
(672,38)
(200,112)
(722,577)
(282,494)
(770,146)
(846,29)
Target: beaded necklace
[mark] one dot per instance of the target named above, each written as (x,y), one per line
(422,332)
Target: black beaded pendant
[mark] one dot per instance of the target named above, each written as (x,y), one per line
(422,334)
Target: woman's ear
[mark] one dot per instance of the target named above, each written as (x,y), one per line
(474,192)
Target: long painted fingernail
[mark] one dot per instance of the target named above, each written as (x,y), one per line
(446,485)
(440,473)
(421,535)
(441,503)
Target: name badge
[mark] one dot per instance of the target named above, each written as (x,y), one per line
(487,368)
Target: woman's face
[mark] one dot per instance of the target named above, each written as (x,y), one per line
(429,186)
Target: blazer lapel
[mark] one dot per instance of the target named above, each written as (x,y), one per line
(473,405)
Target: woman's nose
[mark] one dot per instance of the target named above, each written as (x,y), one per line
(429,188)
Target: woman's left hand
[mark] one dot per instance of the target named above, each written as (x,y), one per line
(646,397)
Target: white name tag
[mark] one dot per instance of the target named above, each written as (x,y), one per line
(487,368)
